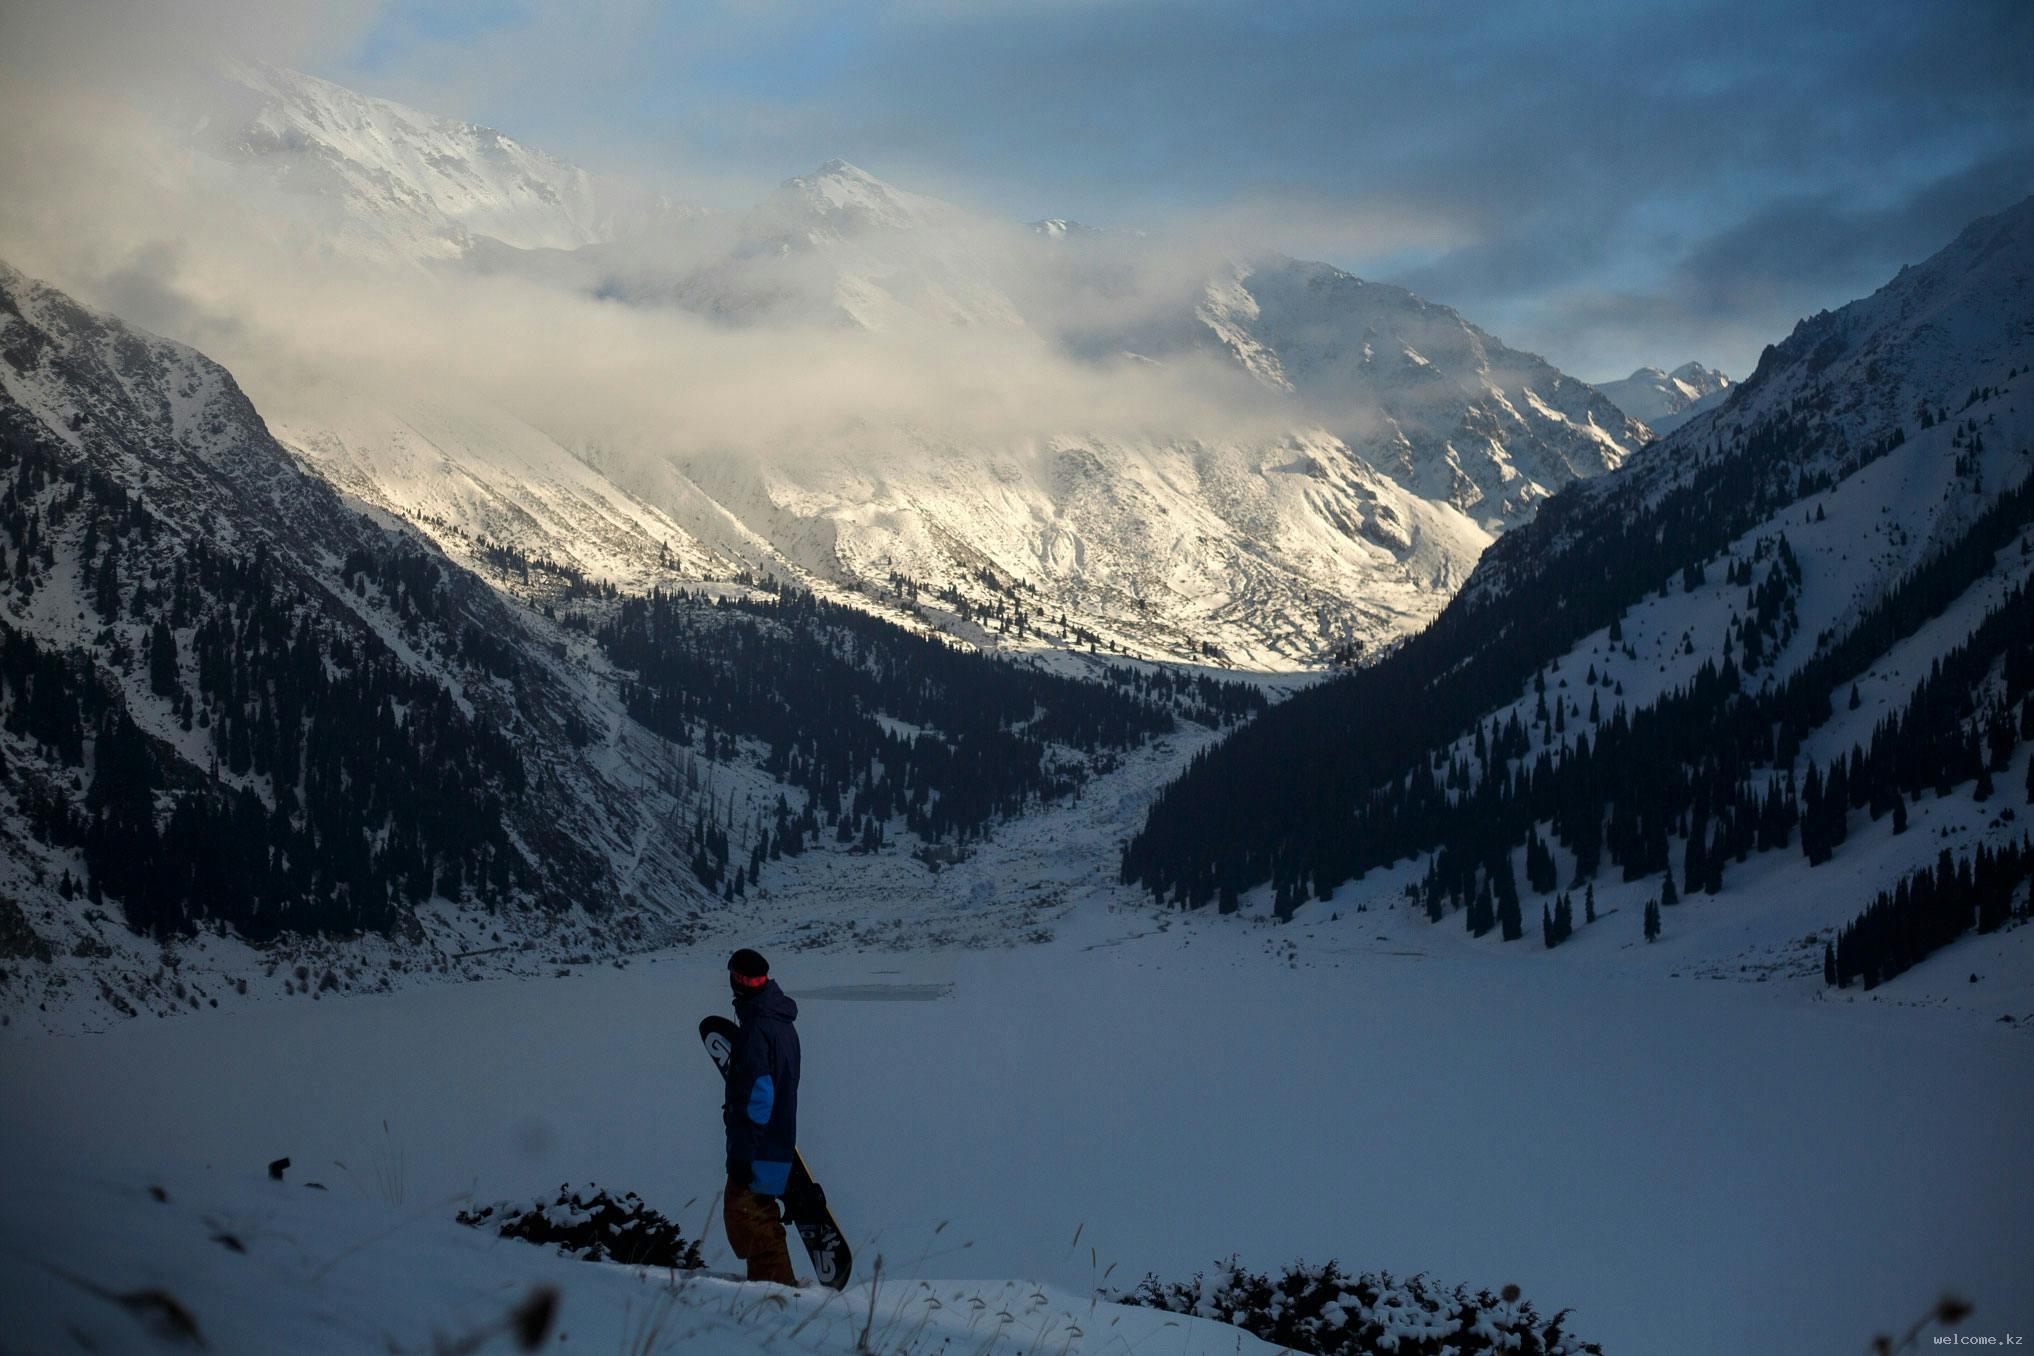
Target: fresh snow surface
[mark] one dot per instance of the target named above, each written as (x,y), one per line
(345,1271)
(1678,1159)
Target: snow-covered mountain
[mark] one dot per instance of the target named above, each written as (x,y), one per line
(840,246)
(374,177)
(214,637)
(1394,440)
(1663,401)
(1058,228)
(1444,409)
(1415,437)
(1807,608)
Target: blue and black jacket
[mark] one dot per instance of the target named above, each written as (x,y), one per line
(761,1111)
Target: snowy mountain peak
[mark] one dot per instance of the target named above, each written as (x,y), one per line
(1062,228)
(1444,408)
(871,256)
(1703,379)
(841,199)
(387,180)
(1954,321)
(1666,400)
(842,169)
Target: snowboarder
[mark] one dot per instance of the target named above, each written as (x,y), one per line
(761,1115)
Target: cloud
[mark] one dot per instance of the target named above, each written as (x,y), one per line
(146,44)
(1604,184)
(1509,161)
(1747,283)
(615,347)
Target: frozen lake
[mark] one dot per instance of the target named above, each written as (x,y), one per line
(1692,1166)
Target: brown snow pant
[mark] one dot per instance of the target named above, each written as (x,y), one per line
(755,1230)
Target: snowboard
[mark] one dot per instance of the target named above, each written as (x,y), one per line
(805,1206)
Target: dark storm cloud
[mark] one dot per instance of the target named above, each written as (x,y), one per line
(1744,285)
(1606,183)
(1722,167)
(1812,242)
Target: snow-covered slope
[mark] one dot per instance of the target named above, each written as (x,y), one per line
(1663,401)
(1264,555)
(1898,372)
(191,1258)
(464,472)
(1447,411)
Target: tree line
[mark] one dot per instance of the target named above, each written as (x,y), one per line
(1265,803)
(873,722)
(1712,763)
(320,784)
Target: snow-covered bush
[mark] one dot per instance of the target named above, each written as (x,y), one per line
(1319,1309)
(593,1225)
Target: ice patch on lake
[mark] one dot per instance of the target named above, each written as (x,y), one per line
(879,993)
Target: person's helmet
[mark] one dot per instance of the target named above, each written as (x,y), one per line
(747,971)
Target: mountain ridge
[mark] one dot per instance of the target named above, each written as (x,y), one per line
(1868,477)
(1188,544)
(410,186)
(1664,401)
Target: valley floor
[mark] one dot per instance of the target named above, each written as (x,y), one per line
(1694,1166)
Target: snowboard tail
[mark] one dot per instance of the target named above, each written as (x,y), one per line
(805,1207)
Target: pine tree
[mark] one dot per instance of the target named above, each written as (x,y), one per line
(1652,920)
(162,660)
(1668,895)
(106,591)
(1511,925)
(1481,915)
(1589,902)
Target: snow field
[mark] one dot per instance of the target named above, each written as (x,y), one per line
(258,1266)
(1678,1161)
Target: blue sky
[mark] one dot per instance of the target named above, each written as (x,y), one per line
(1605,184)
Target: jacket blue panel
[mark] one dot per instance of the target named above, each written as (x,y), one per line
(763,1077)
